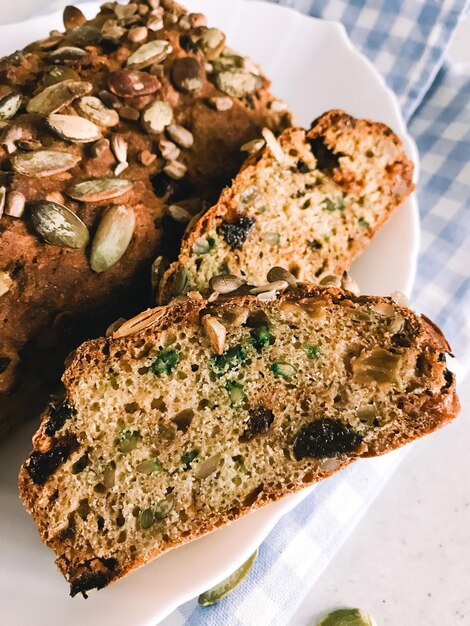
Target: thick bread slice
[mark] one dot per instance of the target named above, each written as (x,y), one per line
(309,204)
(149,82)
(212,409)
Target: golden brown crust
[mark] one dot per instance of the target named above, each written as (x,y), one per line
(55,300)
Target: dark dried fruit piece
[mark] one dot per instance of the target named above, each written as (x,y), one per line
(93,574)
(327,160)
(131,83)
(236,232)
(259,422)
(449,378)
(42,464)
(58,415)
(187,74)
(325,437)
(4,363)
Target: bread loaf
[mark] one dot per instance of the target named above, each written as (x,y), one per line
(103,127)
(196,413)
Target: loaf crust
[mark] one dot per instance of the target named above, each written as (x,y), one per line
(311,207)
(420,397)
(50,298)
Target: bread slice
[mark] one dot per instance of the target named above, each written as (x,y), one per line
(310,202)
(196,413)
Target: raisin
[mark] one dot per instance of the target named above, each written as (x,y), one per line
(187,44)
(42,464)
(236,232)
(449,378)
(327,160)
(162,184)
(314,244)
(93,579)
(401,340)
(4,363)
(325,437)
(302,167)
(58,415)
(259,422)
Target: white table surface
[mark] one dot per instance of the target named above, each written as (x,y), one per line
(408,561)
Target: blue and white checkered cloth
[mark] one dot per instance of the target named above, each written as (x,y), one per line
(406,40)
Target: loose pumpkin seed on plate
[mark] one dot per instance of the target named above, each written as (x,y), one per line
(41,163)
(112,238)
(73,128)
(149,53)
(94,110)
(10,105)
(58,225)
(347,617)
(53,98)
(98,189)
(226,586)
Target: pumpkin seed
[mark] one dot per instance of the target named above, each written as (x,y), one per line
(148,53)
(146,519)
(225,283)
(284,370)
(130,83)
(73,128)
(57,74)
(212,43)
(67,54)
(179,214)
(253,146)
(15,204)
(94,110)
(279,273)
(41,163)
(180,135)
(157,116)
(238,83)
(347,617)
(164,507)
(180,282)
(85,35)
(119,148)
(9,105)
(207,467)
(226,586)
(56,96)
(112,238)
(58,225)
(274,145)
(72,17)
(98,189)
(159,267)
(5,283)
(278,285)
(148,467)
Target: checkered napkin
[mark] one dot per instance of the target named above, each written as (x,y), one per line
(406,40)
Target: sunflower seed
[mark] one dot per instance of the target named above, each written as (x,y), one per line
(179,213)
(215,331)
(212,43)
(225,283)
(120,167)
(175,170)
(276,274)
(148,53)
(157,116)
(226,586)
(253,146)
(207,467)
(119,148)
(58,225)
(68,54)
(274,145)
(159,267)
(221,103)
(53,98)
(138,34)
(98,189)
(169,150)
(5,283)
(129,83)
(144,320)
(187,74)
(55,196)
(94,110)
(10,136)
(112,238)
(238,83)
(180,135)
(73,128)
(3,195)
(15,204)
(41,163)
(73,17)
(278,285)
(10,105)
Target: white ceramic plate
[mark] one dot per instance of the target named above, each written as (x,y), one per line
(313,67)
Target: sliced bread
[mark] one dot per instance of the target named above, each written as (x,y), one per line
(192,415)
(309,202)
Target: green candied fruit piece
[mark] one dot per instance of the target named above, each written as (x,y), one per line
(148,467)
(128,440)
(313,352)
(261,337)
(203,245)
(347,617)
(226,586)
(235,391)
(188,458)
(165,362)
(331,206)
(230,359)
(363,223)
(285,370)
